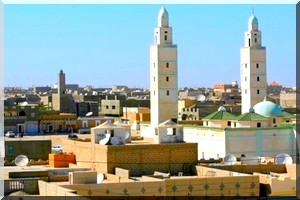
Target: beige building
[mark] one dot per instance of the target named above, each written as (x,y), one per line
(163,72)
(253,67)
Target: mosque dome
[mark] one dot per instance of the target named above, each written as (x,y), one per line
(268,109)
(221,108)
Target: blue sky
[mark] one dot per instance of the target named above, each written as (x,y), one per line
(105,45)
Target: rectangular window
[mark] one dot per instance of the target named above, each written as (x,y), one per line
(166,31)
(234,124)
(112,133)
(168,92)
(166,37)
(171,131)
(274,120)
(258,124)
(167,65)
(153,65)
(153,92)
(257,91)
(257,78)
(255,40)
(246,65)
(113,107)
(167,79)
(84,124)
(228,123)
(154,78)
(106,107)
(257,65)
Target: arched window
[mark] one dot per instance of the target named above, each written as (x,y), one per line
(22,113)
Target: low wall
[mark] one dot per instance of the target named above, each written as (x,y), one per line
(249,169)
(278,185)
(175,186)
(51,189)
(28,185)
(154,188)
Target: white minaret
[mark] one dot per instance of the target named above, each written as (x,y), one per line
(163,73)
(253,67)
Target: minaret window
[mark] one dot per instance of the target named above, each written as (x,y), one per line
(257,91)
(167,65)
(166,37)
(168,92)
(245,65)
(245,78)
(245,91)
(257,65)
(249,42)
(166,31)
(167,79)
(154,78)
(257,78)
(255,40)
(154,92)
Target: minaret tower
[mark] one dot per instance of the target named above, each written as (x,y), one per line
(253,67)
(163,73)
(61,85)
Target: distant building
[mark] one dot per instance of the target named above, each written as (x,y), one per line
(55,122)
(61,101)
(115,107)
(136,115)
(21,118)
(232,89)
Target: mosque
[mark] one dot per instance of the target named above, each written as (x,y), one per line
(261,129)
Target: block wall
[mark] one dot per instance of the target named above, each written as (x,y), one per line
(145,159)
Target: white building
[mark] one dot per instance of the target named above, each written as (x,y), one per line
(163,72)
(253,67)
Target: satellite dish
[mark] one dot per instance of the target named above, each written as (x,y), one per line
(114,141)
(88,114)
(21,160)
(105,140)
(127,135)
(201,97)
(100,178)
(283,158)
(229,159)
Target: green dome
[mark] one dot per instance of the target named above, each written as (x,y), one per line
(268,109)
